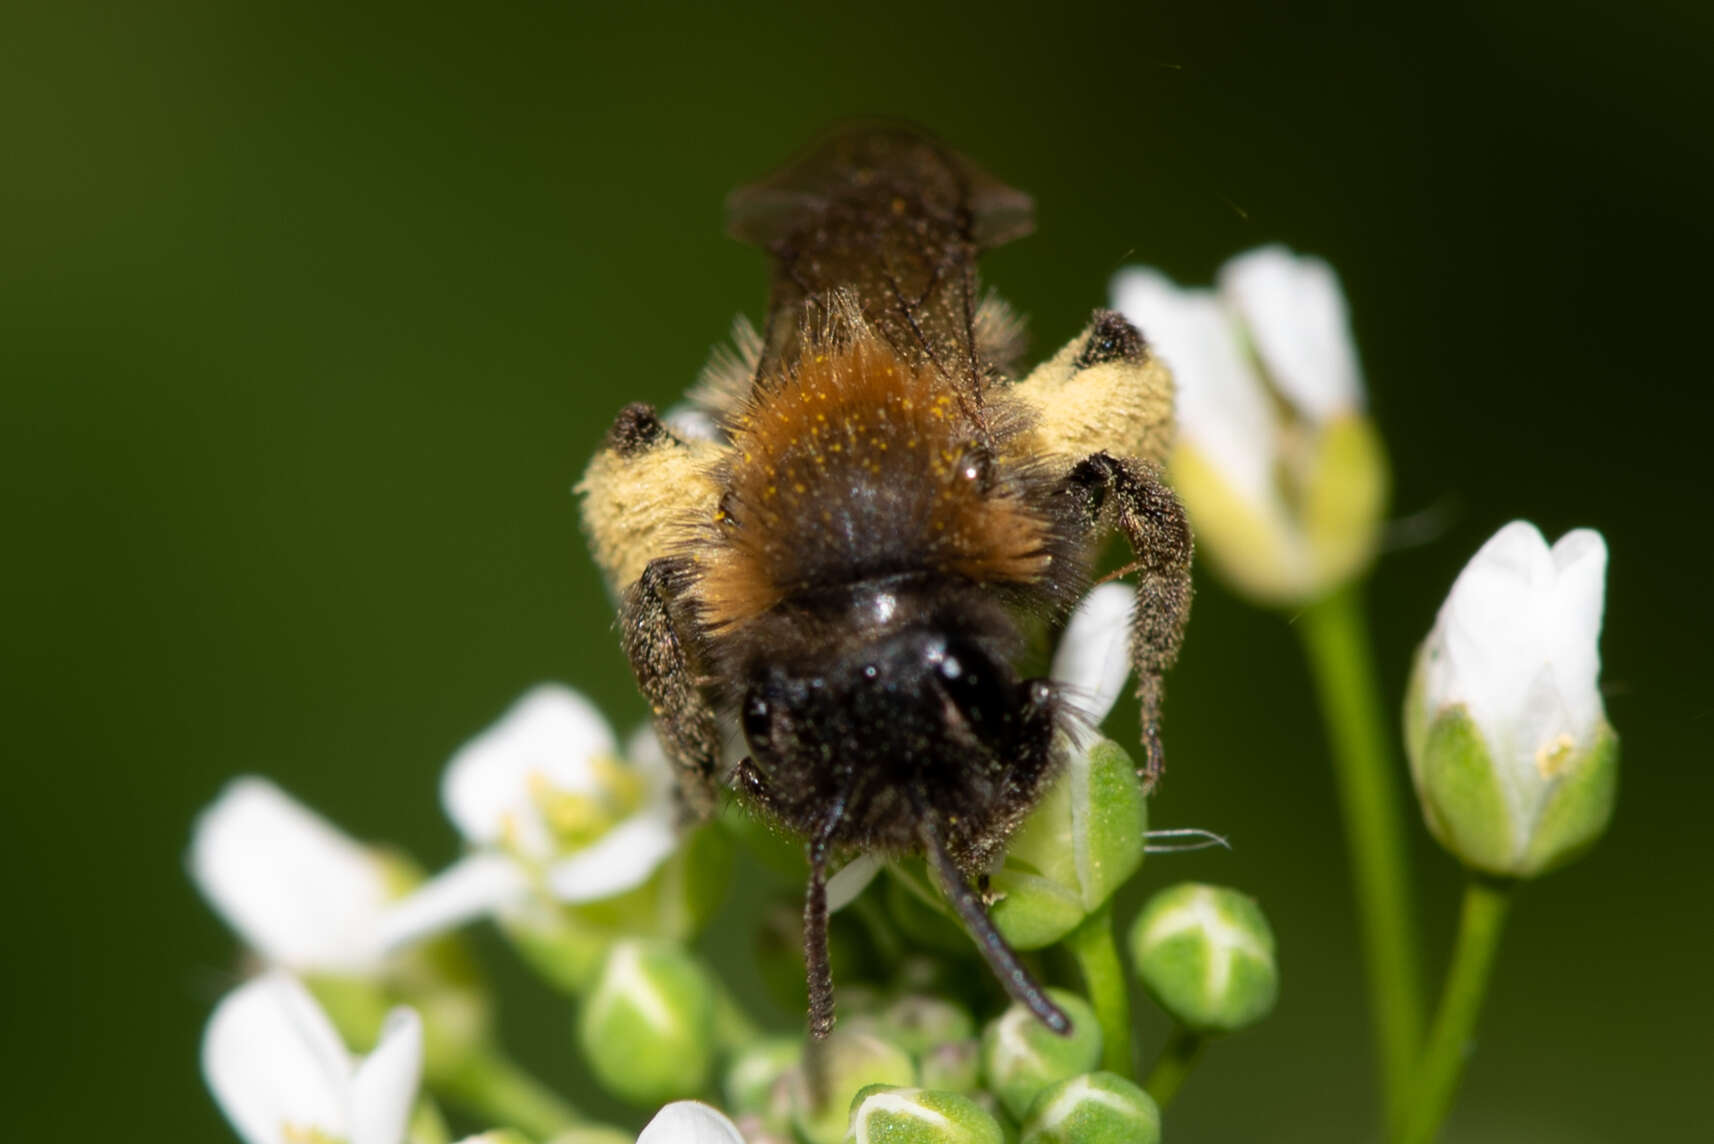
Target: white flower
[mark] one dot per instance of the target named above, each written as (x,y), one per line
(280,1074)
(1505,720)
(689,1122)
(298,891)
(543,800)
(1093,658)
(1275,461)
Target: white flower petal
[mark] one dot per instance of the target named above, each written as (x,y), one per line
(1490,629)
(384,1090)
(619,860)
(551,735)
(1295,312)
(1580,561)
(295,888)
(273,1061)
(1093,659)
(1222,405)
(475,886)
(1516,643)
(852,879)
(690,1122)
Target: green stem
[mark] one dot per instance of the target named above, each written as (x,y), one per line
(1480,924)
(1177,1058)
(1336,641)
(499,1093)
(1097,954)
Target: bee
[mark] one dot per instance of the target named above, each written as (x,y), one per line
(845,561)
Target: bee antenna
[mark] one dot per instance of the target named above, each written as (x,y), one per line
(815,959)
(1000,956)
(816,963)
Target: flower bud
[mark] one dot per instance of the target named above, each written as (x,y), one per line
(882,1114)
(647,1028)
(751,1084)
(1514,762)
(1021,1057)
(851,1062)
(953,1066)
(1206,955)
(1283,475)
(1098,1108)
(917,1023)
(1082,841)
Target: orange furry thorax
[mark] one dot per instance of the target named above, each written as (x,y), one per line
(853,463)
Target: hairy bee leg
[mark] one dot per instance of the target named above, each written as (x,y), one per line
(1131,496)
(658,645)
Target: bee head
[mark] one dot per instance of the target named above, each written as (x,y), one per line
(914,700)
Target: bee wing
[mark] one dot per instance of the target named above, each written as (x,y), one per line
(890,217)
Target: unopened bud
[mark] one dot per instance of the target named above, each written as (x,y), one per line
(752,1081)
(1098,1108)
(882,1114)
(1083,840)
(955,1066)
(647,1028)
(1511,753)
(850,1062)
(917,1023)
(1021,1056)
(1206,955)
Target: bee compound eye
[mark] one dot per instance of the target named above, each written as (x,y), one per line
(757,715)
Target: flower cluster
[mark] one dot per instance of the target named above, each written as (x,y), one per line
(366,1012)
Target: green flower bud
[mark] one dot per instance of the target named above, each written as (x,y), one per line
(882,1114)
(1514,762)
(851,1062)
(1021,1056)
(1082,841)
(953,1066)
(1206,955)
(647,1028)
(751,1083)
(1099,1108)
(917,1023)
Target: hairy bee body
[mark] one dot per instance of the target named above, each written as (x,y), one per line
(847,566)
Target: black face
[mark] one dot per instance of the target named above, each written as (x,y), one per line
(918,719)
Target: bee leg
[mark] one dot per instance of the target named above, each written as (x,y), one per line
(658,642)
(1130,495)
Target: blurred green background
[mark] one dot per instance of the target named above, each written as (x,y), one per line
(310,315)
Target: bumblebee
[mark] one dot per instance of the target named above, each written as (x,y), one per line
(844,564)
